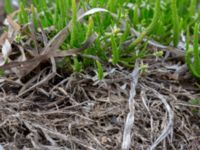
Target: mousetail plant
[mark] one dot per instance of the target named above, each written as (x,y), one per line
(150,28)
(192,56)
(77,65)
(175,21)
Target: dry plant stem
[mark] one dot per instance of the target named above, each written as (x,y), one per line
(81,119)
(44,36)
(126,143)
(46,79)
(60,54)
(169,127)
(56,134)
(33,36)
(37,60)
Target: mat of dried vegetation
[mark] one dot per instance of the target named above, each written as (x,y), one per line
(126,110)
(80,112)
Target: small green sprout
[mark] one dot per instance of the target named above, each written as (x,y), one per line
(115,51)
(100,72)
(143,68)
(77,65)
(18,38)
(90,27)
(22,15)
(158,53)
(115,30)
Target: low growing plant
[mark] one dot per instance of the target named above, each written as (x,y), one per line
(165,23)
(192,55)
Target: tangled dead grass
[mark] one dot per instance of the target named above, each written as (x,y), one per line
(80,112)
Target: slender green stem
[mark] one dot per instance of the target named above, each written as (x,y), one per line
(176,25)
(196,48)
(99,70)
(192,57)
(74,23)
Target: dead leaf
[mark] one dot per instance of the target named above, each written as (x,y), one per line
(13,28)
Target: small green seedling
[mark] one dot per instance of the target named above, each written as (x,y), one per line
(100,72)
(143,68)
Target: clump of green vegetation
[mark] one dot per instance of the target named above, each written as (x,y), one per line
(8,6)
(192,55)
(165,24)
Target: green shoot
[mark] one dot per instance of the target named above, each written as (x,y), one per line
(115,51)
(176,25)
(100,73)
(90,28)
(77,65)
(194,65)
(8,6)
(22,15)
(74,23)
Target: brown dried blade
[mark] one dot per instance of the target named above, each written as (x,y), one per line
(75,51)
(37,60)
(53,45)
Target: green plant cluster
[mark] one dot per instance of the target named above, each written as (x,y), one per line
(192,54)
(162,20)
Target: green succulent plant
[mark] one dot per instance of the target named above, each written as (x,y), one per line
(192,54)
